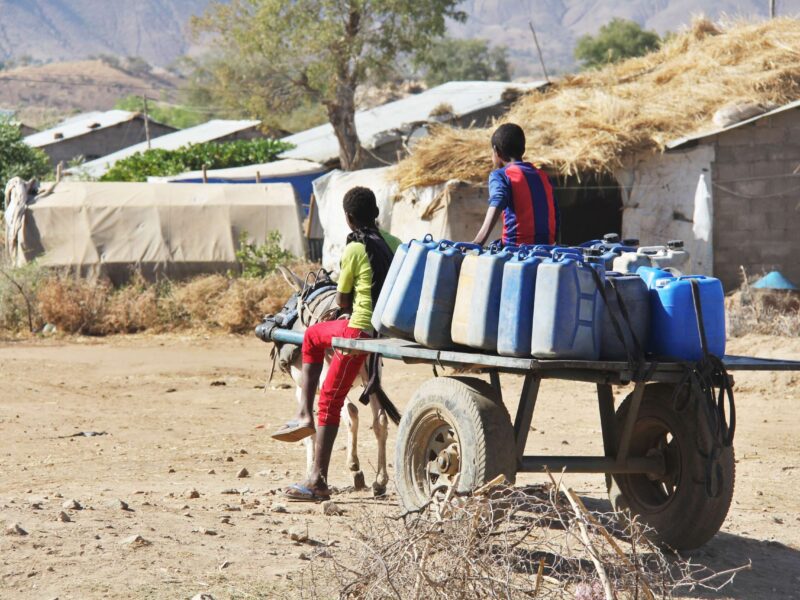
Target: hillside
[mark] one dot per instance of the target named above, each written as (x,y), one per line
(156,29)
(559,23)
(75,29)
(42,93)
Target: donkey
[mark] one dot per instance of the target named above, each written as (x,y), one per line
(315,300)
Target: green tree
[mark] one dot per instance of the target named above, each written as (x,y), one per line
(463,60)
(616,41)
(17,159)
(319,51)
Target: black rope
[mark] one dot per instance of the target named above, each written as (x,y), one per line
(710,379)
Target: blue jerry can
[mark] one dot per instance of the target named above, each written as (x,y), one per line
(636,298)
(386,290)
(567,309)
(400,312)
(438,298)
(674,321)
(477,309)
(516,302)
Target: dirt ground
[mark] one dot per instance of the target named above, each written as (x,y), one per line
(187,413)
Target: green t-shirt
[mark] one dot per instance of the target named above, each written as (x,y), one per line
(355,275)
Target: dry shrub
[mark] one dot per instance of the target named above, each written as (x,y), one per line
(246,301)
(95,307)
(199,297)
(766,312)
(132,308)
(74,305)
(594,120)
(515,543)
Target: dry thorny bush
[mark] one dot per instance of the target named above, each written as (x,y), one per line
(31,297)
(509,543)
(766,312)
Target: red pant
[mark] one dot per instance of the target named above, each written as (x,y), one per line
(343,369)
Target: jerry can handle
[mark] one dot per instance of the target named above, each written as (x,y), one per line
(466,246)
(444,244)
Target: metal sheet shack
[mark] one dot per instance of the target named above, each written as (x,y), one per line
(95,134)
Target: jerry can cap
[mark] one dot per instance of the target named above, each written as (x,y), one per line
(611,238)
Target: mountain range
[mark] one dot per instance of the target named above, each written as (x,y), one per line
(156,30)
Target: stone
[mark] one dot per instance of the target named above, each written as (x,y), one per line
(36,505)
(15,529)
(298,534)
(331,509)
(278,508)
(63,517)
(243,472)
(212,472)
(231,491)
(225,564)
(121,505)
(205,531)
(242,451)
(71,505)
(229,459)
(265,473)
(193,493)
(202,597)
(134,541)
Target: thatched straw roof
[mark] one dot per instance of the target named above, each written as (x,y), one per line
(592,121)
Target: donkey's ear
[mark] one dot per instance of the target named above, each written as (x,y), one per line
(293,280)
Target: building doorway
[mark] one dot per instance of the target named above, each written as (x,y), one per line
(590,207)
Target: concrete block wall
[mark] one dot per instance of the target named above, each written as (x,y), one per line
(757,199)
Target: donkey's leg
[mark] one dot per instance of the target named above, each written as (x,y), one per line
(380,427)
(350,419)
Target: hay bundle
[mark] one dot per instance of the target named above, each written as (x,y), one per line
(592,121)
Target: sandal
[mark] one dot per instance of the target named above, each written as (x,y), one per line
(300,493)
(293,431)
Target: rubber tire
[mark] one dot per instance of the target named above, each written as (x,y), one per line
(482,424)
(690,518)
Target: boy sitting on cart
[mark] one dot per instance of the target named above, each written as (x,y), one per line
(364,264)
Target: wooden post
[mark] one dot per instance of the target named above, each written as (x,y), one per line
(312,204)
(771,9)
(258,176)
(146,122)
(205,174)
(59,171)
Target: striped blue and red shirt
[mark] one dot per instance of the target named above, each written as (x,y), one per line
(530,211)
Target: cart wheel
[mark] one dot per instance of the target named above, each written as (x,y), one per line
(676,505)
(453,425)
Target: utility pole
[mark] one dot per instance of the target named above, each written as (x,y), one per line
(146,122)
(771,9)
(539,50)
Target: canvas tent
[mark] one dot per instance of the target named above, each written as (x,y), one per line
(300,173)
(112,229)
(453,210)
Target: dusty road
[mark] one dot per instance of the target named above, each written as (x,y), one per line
(184,413)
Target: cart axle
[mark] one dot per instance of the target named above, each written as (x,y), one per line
(593,464)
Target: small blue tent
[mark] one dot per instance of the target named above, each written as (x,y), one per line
(774,280)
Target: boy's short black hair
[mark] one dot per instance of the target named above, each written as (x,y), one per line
(360,204)
(509,141)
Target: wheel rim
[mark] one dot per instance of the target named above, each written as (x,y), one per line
(434,456)
(653,493)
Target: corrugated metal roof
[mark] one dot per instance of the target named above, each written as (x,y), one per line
(207,132)
(78,126)
(289,167)
(704,134)
(386,122)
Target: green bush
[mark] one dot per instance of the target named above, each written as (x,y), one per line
(175,116)
(161,163)
(259,260)
(17,159)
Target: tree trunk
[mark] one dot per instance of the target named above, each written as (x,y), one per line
(342,115)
